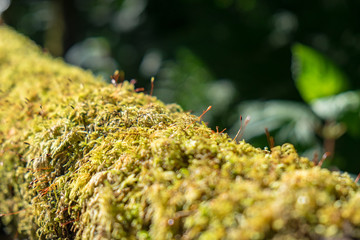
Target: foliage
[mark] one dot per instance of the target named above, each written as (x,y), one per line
(315,76)
(330,112)
(83,159)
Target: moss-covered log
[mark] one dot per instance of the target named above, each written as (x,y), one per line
(82,159)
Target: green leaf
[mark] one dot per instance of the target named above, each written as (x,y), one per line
(293,122)
(343,108)
(335,107)
(316,76)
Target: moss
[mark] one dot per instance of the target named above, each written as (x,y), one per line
(81,159)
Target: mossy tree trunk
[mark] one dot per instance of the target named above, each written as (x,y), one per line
(83,159)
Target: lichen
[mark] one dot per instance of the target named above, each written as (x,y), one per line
(82,159)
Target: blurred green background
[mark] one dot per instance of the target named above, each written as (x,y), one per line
(292,66)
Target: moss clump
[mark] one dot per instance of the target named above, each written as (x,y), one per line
(81,159)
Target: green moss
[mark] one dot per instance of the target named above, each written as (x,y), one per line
(86,160)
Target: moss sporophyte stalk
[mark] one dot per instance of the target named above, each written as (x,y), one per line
(82,159)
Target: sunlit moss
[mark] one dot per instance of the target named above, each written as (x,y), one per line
(86,160)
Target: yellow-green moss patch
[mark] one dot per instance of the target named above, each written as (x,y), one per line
(81,159)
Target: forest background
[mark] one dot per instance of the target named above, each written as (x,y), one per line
(292,66)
